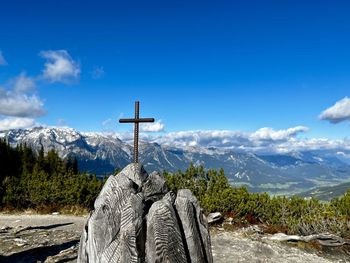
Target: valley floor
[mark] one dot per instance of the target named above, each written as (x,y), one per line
(55,238)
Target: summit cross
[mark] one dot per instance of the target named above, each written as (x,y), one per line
(136,122)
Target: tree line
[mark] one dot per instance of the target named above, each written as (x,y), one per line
(30,180)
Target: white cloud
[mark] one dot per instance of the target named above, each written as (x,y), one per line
(19,99)
(23,84)
(60,67)
(20,105)
(210,138)
(157,126)
(2,59)
(314,144)
(16,123)
(267,133)
(339,112)
(97,73)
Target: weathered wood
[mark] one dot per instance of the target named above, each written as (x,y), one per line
(155,187)
(134,220)
(164,242)
(194,227)
(105,221)
(82,251)
(123,248)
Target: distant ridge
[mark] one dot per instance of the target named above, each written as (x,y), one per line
(326,193)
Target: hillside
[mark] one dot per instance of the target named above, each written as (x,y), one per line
(326,193)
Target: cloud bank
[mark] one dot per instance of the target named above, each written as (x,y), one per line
(339,112)
(264,140)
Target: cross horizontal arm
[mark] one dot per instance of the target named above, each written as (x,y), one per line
(136,120)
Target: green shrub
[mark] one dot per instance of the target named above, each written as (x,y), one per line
(297,215)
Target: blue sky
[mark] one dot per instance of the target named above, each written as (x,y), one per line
(194,65)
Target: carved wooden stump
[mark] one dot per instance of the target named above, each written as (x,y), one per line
(136,219)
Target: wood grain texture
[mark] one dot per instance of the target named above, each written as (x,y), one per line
(105,221)
(123,248)
(194,227)
(155,187)
(135,220)
(164,242)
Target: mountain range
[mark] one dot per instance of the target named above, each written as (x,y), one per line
(101,154)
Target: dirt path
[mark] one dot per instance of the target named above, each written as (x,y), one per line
(62,222)
(32,238)
(55,238)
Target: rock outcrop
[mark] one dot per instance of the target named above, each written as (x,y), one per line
(214,218)
(324,239)
(136,219)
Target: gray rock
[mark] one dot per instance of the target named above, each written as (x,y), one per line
(253,229)
(214,217)
(136,219)
(5,229)
(63,256)
(327,240)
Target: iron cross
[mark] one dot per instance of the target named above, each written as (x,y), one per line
(136,122)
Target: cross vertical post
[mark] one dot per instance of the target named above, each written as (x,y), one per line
(136,132)
(136,122)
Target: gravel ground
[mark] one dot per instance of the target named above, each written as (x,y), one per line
(237,246)
(32,238)
(55,238)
